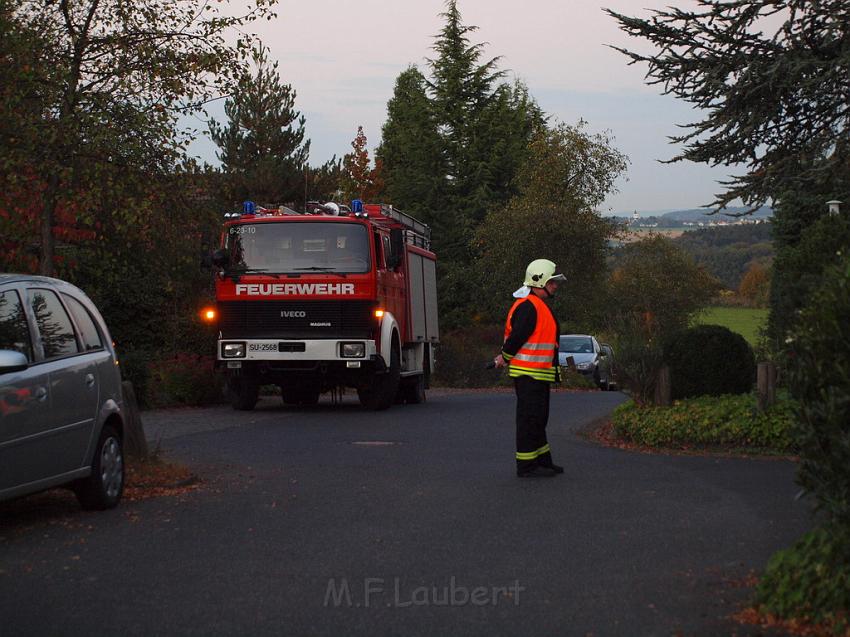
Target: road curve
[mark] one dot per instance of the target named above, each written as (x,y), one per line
(333,520)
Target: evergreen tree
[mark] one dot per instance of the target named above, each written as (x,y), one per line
(410,151)
(324,183)
(484,127)
(771,78)
(263,147)
(462,88)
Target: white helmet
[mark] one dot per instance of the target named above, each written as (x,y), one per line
(331,208)
(539,272)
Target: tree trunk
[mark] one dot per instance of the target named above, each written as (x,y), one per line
(135,443)
(662,388)
(766,383)
(48,216)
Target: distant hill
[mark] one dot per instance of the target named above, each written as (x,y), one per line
(727,252)
(699,214)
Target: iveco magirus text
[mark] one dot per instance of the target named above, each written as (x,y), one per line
(314,302)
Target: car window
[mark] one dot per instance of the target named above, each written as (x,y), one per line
(14,331)
(387,247)
(54,324)
(575,344)
(89,334)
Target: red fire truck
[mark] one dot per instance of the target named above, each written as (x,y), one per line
(342,297)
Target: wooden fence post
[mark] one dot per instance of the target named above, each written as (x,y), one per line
(766,385)
(135,444)
(662,387)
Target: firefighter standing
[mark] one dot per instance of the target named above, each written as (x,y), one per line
(530,352)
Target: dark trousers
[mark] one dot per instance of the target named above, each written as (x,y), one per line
(532,415)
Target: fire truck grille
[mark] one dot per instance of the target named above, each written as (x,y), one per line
(296,319)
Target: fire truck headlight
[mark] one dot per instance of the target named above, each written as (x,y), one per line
(353,350)
(233,350)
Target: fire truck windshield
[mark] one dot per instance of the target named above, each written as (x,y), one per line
(299,247)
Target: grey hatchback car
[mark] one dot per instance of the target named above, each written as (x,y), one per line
(61,419)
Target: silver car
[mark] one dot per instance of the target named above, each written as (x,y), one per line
(590,358)
(60,394)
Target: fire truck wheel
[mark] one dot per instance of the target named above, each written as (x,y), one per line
(384,387)
(412,390)
(243,393)
(416,390)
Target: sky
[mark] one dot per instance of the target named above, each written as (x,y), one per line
(342,58)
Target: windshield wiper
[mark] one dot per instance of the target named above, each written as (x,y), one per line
(316,268)
(248,270)
(235,273)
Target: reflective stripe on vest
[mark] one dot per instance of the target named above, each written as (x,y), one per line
(535,356)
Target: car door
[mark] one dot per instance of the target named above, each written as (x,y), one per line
(72,384)
(24,398)
(93,346)
(609,363)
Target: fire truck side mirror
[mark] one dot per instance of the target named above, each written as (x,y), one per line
(396,248)
(220,258)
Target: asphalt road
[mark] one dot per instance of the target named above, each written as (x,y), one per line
(333,520)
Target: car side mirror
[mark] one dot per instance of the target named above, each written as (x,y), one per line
(220,258)
(12,361)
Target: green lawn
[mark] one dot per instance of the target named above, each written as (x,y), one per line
(743,320)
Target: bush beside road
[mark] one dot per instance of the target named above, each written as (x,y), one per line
(709,422)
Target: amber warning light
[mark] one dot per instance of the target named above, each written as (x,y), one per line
(208,314)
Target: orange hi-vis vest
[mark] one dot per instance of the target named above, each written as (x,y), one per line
(536,355)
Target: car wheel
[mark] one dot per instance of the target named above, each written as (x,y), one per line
(103,488)
(597,380)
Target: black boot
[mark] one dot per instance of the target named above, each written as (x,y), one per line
(545,460)
(537,471)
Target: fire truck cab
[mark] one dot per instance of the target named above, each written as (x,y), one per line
(344,297)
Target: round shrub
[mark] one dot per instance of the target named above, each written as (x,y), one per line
(709,360)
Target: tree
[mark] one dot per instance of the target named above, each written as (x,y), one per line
(567,174)
(755,285)
(263,147)
(484,129)
(656,279)
(113,78)
(410,151)
(654,290)
(461,86)
(323,183)
(359,179)
(771,78)
(774,97)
